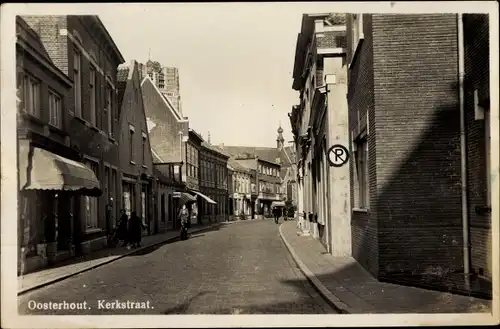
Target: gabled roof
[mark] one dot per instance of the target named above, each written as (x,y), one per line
(165,99)
(215,149)
(122,76)
(269,154)
(236,166)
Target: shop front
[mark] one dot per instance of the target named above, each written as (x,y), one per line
(51,188)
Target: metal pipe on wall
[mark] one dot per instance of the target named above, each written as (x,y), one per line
(463,146)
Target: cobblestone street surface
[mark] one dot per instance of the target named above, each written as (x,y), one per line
(241,268)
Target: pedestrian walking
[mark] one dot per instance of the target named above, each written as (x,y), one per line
(276,213)
(184,218)
(135,228)
(122,231)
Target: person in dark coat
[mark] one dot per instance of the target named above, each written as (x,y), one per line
(135,226)
(277,214)
(123,228)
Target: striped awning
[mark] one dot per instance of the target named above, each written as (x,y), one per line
(186,198)
(44,170)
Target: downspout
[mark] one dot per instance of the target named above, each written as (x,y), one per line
(463,147)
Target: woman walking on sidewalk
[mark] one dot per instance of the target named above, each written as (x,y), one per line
(136,226)
(122,231)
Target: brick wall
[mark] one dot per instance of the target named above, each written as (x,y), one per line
(360,102)
(417,142)
(47,27)
(164,136)
(476,48)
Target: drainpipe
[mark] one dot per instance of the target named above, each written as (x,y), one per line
(463,147)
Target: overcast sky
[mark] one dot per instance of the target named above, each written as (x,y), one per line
(235,61)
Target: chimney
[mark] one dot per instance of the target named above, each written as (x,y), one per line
(221,145)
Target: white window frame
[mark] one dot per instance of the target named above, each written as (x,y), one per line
(55,109)
(131,131)
(362,181)
(93,98)
(77,80)
(144,145)
(31,95)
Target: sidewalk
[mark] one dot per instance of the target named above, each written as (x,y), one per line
(35,280)
(351,289)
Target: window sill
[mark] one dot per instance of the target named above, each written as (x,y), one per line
(57,130)
(82,120)
(360,210)
(132,162)
(144,166)
(93,230)
(33,118)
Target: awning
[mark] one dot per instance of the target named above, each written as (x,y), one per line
(49,171)
(204,197)
(186,198)
(277,204)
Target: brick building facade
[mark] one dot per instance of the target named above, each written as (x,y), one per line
(83,50)
(405,138)
(213,184)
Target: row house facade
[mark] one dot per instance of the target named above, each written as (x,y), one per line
(192,173)
(284,156)
(265,183)
(410,172)
(137,183)
(72,122)
(168,134)
(213,184)
(240,205)
(318,123)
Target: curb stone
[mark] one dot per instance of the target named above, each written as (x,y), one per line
(333,300)
(131,252)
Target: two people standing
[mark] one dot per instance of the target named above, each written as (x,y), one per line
(130,230)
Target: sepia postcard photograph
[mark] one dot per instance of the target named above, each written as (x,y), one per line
(239,164)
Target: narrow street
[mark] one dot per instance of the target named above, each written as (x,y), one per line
(241,268)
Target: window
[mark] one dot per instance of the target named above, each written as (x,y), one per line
(131,143)
(361,181)
(92,91)
(77,80)
(109,109)
(91,203)
(144,148)
(31,95)
(150,74)
(55,109)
